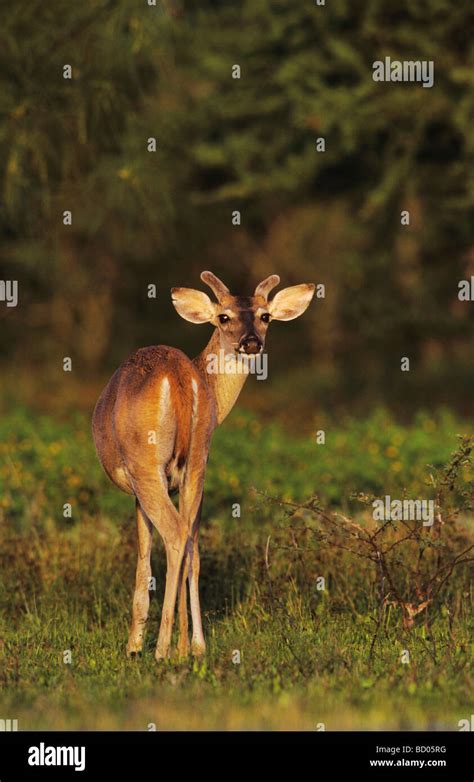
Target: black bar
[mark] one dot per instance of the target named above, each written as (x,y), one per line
(417,755)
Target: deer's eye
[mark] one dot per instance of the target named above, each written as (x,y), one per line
(224,318)
(265,317)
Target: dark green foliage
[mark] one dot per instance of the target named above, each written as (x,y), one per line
(248,144)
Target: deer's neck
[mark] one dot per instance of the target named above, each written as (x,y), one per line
(222,375)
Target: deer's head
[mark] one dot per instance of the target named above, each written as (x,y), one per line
(242,320)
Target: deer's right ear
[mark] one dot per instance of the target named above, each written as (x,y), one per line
(193,305)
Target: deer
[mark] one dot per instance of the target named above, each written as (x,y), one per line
(159,391)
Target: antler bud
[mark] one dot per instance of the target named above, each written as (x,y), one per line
(215,284)
(267,285)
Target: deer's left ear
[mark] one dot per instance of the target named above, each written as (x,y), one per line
(291,302)
(193,305)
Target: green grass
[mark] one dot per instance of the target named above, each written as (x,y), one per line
(307,657)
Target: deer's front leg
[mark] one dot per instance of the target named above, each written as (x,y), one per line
(186,510)
(198,644)
(190,572)
(141,598)
(183,642)
(191,499)
(183,639)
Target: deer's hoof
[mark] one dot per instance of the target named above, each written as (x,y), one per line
(134,650)
(198,649)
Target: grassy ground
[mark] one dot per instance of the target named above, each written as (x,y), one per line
(308,657)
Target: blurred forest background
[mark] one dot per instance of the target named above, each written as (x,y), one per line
(247,144)
(143,218)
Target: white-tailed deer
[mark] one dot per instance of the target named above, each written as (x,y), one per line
(152,428)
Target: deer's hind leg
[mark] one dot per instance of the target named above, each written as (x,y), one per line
(155,502)
(141,598)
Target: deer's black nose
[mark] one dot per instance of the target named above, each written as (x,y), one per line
(250,344)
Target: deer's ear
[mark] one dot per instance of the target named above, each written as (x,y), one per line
(192,305)
(291,302)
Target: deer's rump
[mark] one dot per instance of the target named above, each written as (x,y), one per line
(143,419)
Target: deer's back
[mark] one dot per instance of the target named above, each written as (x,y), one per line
(147,414)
